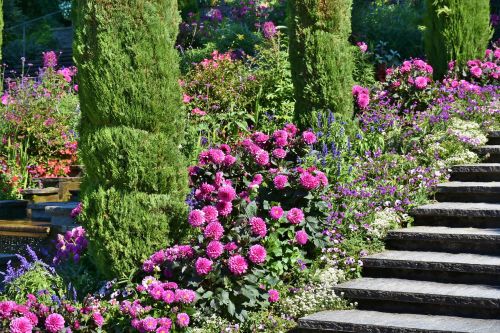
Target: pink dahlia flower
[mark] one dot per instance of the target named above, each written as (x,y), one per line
(420,82)
(301,237)
(211,213)
(168,296)
(21,325)
(237,265)
(54,323)
(280,181)
(308,181)
(257,254)
(279,153)
(203,266)
(476,71)
(274,295)
(363,100)
(196,218)
(149,324)
(224,207)
(280,138)
(262,157)
(309,137)
(276,212)
(226,193)
(258,226)
(295,216)
(214,249)
(362,46)
(214,231)
(183,320)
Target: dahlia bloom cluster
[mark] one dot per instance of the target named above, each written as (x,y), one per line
(362,96)
(70,245)
(483,71)
(35,316)
(158,306)
(241,195)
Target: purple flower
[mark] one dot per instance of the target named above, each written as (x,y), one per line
(269,29)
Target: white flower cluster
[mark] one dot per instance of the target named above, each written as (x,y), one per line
(463,157)
(316,296)
(386,219)
(211,324)
(467,131)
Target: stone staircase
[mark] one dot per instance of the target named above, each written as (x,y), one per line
(34,221)
(440,275)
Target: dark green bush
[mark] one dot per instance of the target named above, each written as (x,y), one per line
(321,57)
(1,27)
(456,30)
(131,129)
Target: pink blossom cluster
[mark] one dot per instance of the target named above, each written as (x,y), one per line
(486,70)
(71,245)
(362,96)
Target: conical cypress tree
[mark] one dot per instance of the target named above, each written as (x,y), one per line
(456,30)
(131,128)
(321,57)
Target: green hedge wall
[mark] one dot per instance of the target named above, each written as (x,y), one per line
(321,57)
(132,124)
(456,30)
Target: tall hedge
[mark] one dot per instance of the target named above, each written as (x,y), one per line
(321,57)
(456,30)
(135,183)
(1,28)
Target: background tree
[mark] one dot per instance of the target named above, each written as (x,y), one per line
(131,128)
(456,30)
(1,27)
(321,57)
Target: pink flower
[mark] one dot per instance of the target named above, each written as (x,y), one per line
(280,138)
(183,319)
(149,324)
(163,329)
(497,53)
(269,29)
(301,237)
(229,160)
(308,181)
(203,266)
(21,325)
(362,46)
(5,99)
(224,207)
(309,137)
(280,181)
(276,212)
(168,296)
(291,129)
(196,218)
(420,82)
(211,213)
(165,322)
(185,296)
(274,295)
(262,157)
(214,231)
(6,308)
(237,265)
(230,247)
(363,100)
(217,156)
(260,137)
(279,153)
(256,181)
(214,249)
(258,226)
(257,254)
(198,112)
(54,323)
(49,59)
(226,193)
(186,98)
(295,216)
(476,71)
(98,319)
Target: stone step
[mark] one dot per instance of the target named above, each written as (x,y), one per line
(16,235)
(483,172)
(47,210)
(423,297)
(13,209)
(491,153)
(445,239)
(48,194)
(360,321)
(458,214)
(434,266)
(494,138)
(458,191)
(24,226)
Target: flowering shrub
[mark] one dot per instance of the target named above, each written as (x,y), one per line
(71,245)
(256,215)
(484,71)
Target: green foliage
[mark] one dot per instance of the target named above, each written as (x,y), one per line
(131,128)
(1,28)
(38,278)
(364,70)
(456,30)
(321,57)
(394,22)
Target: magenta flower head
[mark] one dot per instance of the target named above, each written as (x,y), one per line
(280,138)
(203,266)
(362,46)
(196,218)
(211,213)
(274,295)
(226,193)
(295,216)
(257,254)
(262,157)
(49,59)
(21,325)
(269,29)
(98,319)
(214,249)
(214,230)
(216,156)
(149,324)
(258,226)
(224,207)
(237,265)
(309,137)
(183,319)
(279,153)
(420,82)
(476,71)
(54,323)
(308,181)
(280,181)
(6,308)
(363,100)
(301,237)
(276,212)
